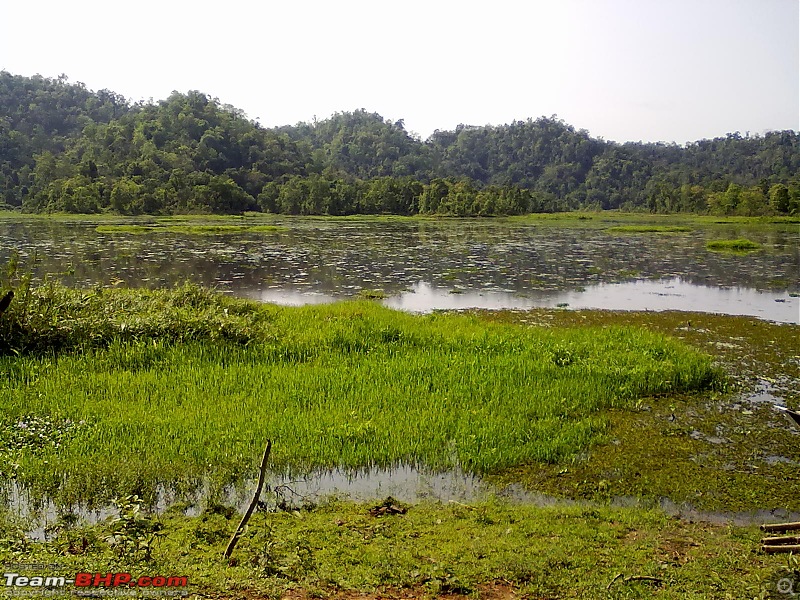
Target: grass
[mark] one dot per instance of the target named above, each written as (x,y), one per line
(740,245)
(489,550)
(171,387)
(674,459)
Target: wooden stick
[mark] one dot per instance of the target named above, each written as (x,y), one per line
(781,549)
(253,502)
(642,578)
(630,578)
(781,527)
(610,583)
(778,541)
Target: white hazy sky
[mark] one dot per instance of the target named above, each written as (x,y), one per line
(626,70)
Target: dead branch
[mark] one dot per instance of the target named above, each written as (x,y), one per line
(253,502)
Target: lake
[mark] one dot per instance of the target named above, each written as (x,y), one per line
(421,265)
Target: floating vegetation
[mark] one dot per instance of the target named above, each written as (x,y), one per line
(222,229)
(129,229)
(648,229)
(195,229)
(372,294)
(318,255)
(739,245)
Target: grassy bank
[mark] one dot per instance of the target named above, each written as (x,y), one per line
(487,550)
(143,388)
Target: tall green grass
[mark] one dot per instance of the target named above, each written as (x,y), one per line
(170,387)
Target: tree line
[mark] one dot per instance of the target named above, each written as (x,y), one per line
(64,148)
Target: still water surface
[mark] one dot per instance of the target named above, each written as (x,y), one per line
(452,264)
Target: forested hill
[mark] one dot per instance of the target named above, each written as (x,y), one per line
(66,148)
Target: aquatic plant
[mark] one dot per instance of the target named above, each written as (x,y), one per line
(739,245)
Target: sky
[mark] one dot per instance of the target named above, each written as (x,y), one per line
(625,70)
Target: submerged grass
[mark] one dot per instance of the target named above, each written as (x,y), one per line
(174,386)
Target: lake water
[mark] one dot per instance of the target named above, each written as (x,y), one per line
(427,265)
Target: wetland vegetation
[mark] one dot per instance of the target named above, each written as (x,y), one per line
(106,388)
(121,384)
(158,388)
(110,391)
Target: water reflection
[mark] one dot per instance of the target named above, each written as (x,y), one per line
(667,294)
(431,265)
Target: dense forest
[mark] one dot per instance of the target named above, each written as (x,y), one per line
(64,148)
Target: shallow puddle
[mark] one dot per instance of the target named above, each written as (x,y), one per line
(406,484)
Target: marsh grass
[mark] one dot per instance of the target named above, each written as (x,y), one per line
(739,245)
(176,386)
(649,229)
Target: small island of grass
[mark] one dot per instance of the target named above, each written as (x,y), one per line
(738,245)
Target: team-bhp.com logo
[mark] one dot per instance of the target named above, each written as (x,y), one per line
(96,580)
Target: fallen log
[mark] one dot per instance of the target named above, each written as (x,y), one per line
(253,503)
